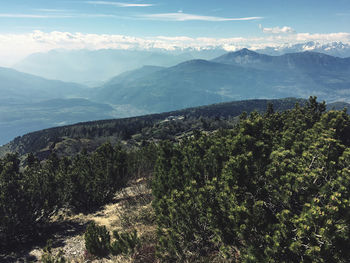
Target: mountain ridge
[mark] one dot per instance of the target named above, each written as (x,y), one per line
(65,64)
(84,66)
(70,139)
(191,83)
(236,75)
(338,49)
(247,57)
(239,75)
(29,102)
(20,84)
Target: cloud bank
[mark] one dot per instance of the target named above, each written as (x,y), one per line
(25,16)
(180,16)
(277,30)
(117,4)
(14,47)
(56,14)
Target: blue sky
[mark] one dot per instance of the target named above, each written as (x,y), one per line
(41,23)
(173,18)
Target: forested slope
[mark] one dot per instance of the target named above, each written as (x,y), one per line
(274,187)
(68,140)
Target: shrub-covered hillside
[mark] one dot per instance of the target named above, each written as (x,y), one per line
(274,188)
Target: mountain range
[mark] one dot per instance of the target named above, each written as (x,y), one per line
(17,86)
(93,67)
(237,75)
(31,103)
(337,49)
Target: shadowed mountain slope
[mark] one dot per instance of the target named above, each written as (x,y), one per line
(234,76)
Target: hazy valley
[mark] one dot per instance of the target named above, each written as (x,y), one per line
(185,155)
(31,103)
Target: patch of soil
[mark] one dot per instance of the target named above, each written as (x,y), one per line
(67,230)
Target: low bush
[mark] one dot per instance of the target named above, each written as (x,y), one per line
(124,243)
(49,257)
(97,240)
(145,254)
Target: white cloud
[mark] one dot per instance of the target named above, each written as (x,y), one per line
(14,47)
(50,10)
(180,16)
(59,15)
(23,16)
(277,30)
(118,4)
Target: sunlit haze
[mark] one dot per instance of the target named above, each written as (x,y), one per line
(28,27)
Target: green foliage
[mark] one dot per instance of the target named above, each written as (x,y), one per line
(15,217)
(44,185)
(124,243)
(142,159)
(93,179)
(97,240)
(274,189)
(27,198)
(48,257)
(30,196)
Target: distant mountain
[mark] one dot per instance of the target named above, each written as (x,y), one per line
(234,76)
(93,67)
(337,49)
(133,75)
(29,103)
(306,61)
(246,58)
(189,84)
(237,75)
(21,87)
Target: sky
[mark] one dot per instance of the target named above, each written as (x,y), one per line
(29,26)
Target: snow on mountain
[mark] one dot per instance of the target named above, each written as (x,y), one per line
(337,49)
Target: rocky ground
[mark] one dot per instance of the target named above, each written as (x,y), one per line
(131,209)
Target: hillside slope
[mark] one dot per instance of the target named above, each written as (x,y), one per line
(71,139)
(21,87)
(29,103)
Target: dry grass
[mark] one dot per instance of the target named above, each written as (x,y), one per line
(131,209)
